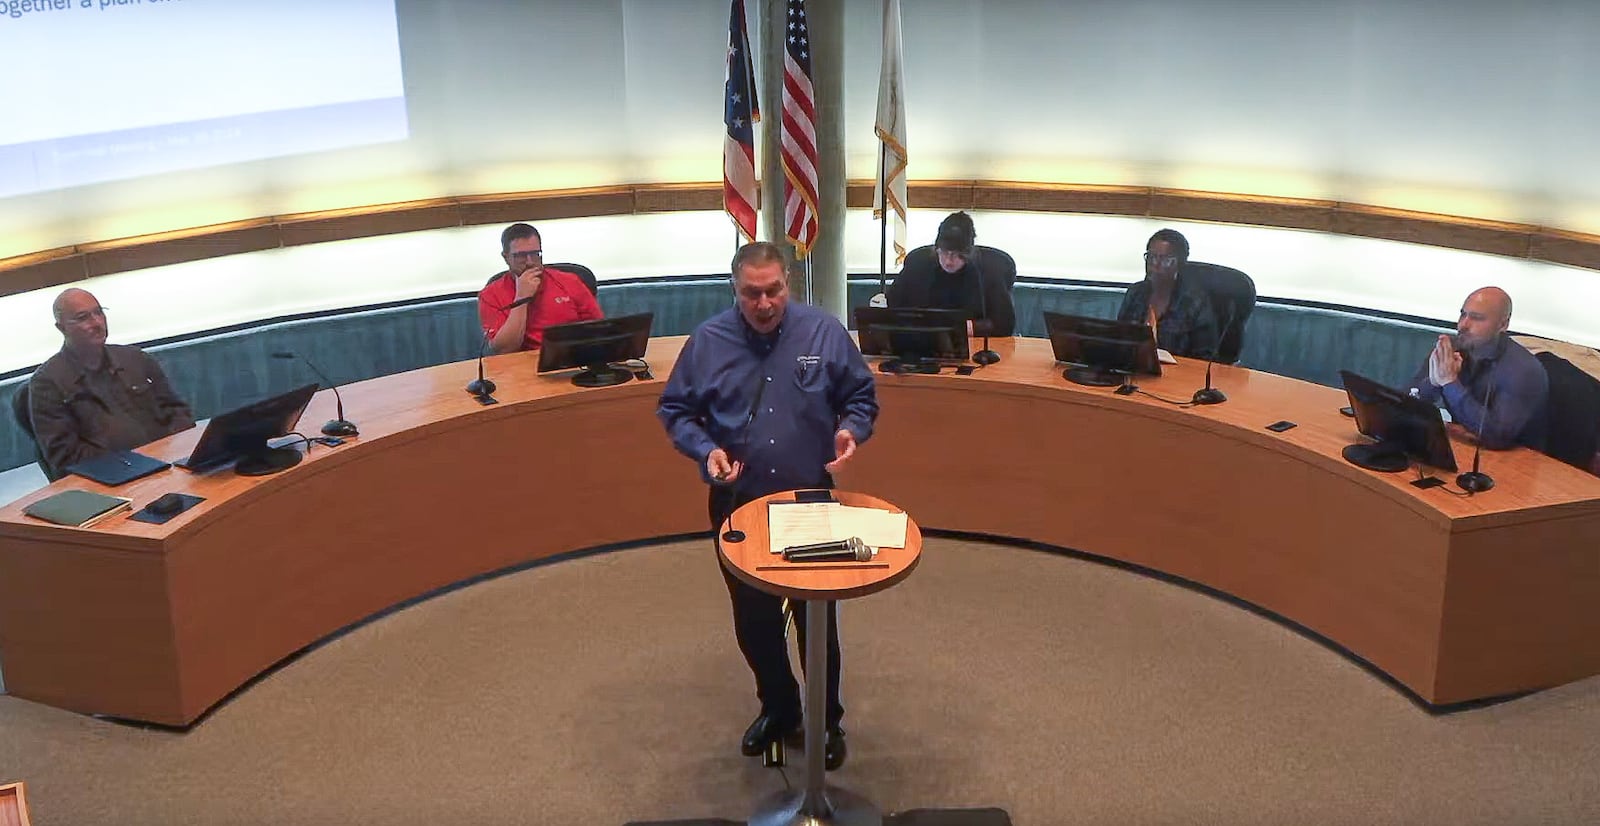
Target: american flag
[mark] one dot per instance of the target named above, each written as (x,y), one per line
(740,113)
(799,134)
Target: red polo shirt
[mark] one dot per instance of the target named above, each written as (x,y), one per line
(562,299)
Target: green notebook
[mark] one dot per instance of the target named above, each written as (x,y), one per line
(77,508)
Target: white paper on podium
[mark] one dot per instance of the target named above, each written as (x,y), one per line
(878,528)
(799,523)
(1164,357)
(796,523)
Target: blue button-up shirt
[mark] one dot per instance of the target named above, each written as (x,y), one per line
(1516,414)
(773,402)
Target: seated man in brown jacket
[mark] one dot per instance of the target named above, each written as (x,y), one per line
(93,398)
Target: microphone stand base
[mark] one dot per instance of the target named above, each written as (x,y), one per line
(732,536)
(481,387)
(1209,395)
(1474,482)
(340,427)
(832,806)
(985,357)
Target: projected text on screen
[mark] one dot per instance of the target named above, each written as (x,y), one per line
(102,90)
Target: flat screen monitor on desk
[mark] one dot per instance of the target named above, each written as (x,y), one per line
(595,346)
(1103,351)
(241,436)
(1405,428)
(916,339)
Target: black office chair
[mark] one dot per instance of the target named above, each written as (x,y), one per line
(995,262)
(1572,430)
(20,403)
(582,272)
(576,269)
(1233,296)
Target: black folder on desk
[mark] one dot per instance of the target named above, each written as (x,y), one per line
(118,467)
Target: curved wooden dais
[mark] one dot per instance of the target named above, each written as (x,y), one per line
(1456,597)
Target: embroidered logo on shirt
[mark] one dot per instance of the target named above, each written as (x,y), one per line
(563,299)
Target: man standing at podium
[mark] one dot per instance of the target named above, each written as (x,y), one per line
(768,397)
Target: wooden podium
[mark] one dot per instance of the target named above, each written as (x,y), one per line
(818,583)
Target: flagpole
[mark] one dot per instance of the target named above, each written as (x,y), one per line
(883,217)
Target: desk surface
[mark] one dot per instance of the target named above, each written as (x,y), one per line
(753,561)
(1456,597)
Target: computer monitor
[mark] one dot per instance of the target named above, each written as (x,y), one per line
(593,346)
(241,436)
(1405,428)
(916,339)
(1103,351)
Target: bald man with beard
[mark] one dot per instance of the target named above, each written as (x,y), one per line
(1490,384)
(92,397)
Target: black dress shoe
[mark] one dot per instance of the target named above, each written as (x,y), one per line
(763,730)
(834,749)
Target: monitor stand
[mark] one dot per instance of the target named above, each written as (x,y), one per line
(1380,457)
(602,375)
(1092,377)
(267,461)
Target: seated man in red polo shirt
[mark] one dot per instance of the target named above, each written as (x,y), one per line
(558,296)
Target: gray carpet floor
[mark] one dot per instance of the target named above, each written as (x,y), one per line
(607,688)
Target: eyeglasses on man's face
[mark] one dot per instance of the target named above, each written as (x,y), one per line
(527,255)
(86,316)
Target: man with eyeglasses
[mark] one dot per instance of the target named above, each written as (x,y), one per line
(550,296)
(769,396)
(92,397)
(947,278)
(1180,313)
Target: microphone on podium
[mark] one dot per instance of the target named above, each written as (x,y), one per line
(734,534)
(334,427)
(838,550)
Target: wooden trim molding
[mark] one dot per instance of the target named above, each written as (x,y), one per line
(66,265)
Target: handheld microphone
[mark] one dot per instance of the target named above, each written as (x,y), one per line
(482,387)
(334,427)
(839,550)
(1209,394)
(984,357)
(1474,481)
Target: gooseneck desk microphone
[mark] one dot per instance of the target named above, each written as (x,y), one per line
(732,534)
(334,427)
(1475,481)
(1209,394)
(481,388)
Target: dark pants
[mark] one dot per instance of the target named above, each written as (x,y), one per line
(758,623)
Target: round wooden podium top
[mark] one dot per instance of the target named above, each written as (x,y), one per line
(753,562)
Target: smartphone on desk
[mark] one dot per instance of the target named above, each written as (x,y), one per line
(1280,426)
